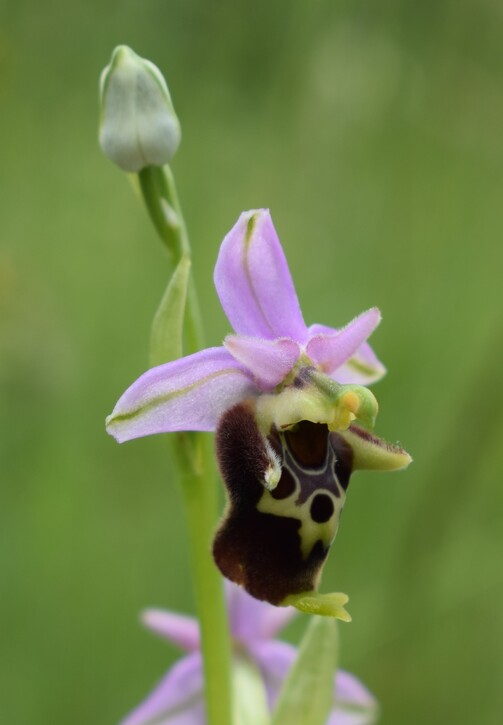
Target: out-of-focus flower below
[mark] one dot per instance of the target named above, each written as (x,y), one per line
(179,698)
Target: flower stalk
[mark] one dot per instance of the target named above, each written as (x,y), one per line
(192,451)
(201,506)
(159,193)
(140,132)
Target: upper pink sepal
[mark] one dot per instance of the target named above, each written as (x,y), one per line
(254,283)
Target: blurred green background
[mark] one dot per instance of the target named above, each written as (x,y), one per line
(373,131)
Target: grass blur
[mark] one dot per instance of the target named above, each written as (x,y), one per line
(373,132)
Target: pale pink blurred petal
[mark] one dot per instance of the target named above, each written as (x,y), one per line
(245,613)
(252,620)
(177,699)
(274,659)
(349,689)
(181,630)
(346,717)
(275,619)
(354,704)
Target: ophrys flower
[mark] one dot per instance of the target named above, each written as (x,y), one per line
(292,419)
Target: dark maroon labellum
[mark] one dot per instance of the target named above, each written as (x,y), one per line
(274,543)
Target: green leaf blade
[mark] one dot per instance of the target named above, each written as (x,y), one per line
(166,337)
(308,692)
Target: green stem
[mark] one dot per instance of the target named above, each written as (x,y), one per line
(194,455)
(161,199)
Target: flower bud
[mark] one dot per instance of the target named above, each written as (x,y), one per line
(139,126)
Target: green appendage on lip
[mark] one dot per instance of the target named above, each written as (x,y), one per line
(325,605)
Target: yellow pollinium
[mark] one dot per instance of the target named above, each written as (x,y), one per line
(345,412)
(351,402)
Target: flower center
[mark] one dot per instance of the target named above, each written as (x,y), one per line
(307,394)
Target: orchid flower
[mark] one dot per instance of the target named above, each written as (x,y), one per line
(179,698)
(292,419)
(257,294)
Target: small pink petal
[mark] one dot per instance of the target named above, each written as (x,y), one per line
(254,283)
(186,394)
(275,619)
(245,613)
(349,690)
(346,717)
(177,699)
(354,704)
(252,620)
(332,351)
(179,629)
(275,659)
(362,368)
(269,361)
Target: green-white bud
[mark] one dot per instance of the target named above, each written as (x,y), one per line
(138,126)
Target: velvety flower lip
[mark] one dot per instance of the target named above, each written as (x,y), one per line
(178,699)
(257,294)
